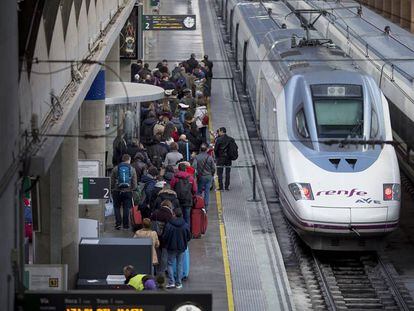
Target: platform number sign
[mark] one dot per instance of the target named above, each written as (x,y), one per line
(96,187)
(169,22)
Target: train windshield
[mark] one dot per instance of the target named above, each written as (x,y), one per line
(339,118)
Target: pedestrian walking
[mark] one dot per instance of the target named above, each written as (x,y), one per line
(225,151)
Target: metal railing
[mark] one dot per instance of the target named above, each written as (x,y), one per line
(254,177)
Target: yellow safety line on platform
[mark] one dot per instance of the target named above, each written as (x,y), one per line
(223,238)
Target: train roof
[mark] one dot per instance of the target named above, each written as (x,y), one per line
(260,22)
(396,48)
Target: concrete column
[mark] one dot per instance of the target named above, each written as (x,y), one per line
(57,242)
(395,10)
(9,136)
(69,214)
(113,61)
(387,9)
(92,122)
(405,13)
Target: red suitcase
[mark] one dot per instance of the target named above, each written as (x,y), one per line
(198,202)
(199,222)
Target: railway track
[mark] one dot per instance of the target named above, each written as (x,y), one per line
(324,280)
(359,281)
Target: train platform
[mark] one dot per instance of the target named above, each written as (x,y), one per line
(238,259)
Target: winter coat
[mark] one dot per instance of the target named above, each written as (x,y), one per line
(181,175)
(220,150)
(176,235)
(139,167)
(166,194)
(148,233)
(172,158)
(162,216)
(157,153)
(204,164)
(192,63)
(149,182)
(147,130)
(119,148)
(182,148)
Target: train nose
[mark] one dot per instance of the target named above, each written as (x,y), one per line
(368,219)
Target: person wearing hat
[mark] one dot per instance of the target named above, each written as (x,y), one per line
(189,100)
(182,112)
(137,281)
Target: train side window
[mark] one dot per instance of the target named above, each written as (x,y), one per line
(301,125)
(374,124)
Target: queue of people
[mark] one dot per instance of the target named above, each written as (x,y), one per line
(171,167)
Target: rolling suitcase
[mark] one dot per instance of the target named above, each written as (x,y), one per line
(199,218)
(186,266)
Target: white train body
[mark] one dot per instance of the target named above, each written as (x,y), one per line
(335,196)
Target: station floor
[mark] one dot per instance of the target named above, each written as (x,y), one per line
(239,259)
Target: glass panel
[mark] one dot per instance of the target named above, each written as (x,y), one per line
(374,124)
(339,117)
(301,124)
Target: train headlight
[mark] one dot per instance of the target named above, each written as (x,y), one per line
(301,191)
(392,192)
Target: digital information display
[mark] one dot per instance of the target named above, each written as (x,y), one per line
(115,300)
(169,22)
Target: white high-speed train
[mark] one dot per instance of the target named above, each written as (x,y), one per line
(306,92)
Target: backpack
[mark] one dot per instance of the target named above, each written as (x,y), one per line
(181,83)
(232,150)
(139,195)
(205,119)
(124,175)
(183,189)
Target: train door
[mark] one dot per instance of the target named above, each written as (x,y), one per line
(236,45)
(231,27)
(245,66)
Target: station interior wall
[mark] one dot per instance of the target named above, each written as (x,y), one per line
(398,11)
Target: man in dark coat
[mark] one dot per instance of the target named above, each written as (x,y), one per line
(176,237)
(147,128)
(222,159)
(192,63)
(149,179)
(160,218)
(135,69)
(119,148)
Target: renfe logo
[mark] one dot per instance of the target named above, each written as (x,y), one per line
(346,193)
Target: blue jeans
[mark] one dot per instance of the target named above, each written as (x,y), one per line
(162,259)
(204,182)
(186,213)
(124,200)
(175,258)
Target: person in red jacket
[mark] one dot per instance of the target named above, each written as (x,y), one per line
(185,186)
